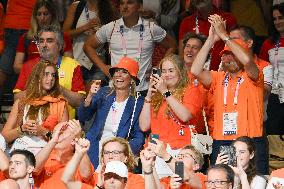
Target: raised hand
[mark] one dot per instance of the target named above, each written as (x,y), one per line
(147,157)
(160,85)
(219,24)
(222,158)
(58,129)
(175,182)
(75,127)
(82,145)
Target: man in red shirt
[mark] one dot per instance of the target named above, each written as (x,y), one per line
(198,23)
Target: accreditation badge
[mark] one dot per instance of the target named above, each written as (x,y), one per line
(230,125)
(61,74)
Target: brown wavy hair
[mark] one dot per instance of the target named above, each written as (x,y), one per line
(126,151)
(251,170)
(34,89)
(183,82)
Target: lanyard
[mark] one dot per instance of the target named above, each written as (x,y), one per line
(87,13)
(196,25)
(123,41)
(59,60)
(226,84)
(275,62)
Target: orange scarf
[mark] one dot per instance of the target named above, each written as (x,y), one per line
(56,109)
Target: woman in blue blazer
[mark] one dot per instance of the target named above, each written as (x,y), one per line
(116,110)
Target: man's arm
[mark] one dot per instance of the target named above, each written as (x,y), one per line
(197,70)
(43,155)
(81,147)
(4,163)
(90,46)
(73,98)
(241,54)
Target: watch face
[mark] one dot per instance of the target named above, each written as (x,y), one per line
(167,94)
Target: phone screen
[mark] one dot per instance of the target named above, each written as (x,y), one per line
(231,152)
(156,136)
(179,169)
(156,71)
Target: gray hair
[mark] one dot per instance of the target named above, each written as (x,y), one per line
(58,34)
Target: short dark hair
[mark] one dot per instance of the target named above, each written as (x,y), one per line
(30,158)
(191,35)
(247,32)
(230,175)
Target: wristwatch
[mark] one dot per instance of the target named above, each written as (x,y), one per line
(227,39)
(48,135)
(167,94)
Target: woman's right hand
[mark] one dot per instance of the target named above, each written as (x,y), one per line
(175,181)
(222,159)
(30,127)
(151,90)
(90,27)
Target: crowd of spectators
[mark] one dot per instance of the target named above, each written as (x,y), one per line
(163,94)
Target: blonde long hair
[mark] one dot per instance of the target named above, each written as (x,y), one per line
(50,6)
(183,82)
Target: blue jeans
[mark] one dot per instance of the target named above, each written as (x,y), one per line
(11,41)
(261,154)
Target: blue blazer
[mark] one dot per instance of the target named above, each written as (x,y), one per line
(101,104)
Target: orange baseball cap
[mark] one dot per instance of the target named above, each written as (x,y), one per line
(240,42)
(129,65)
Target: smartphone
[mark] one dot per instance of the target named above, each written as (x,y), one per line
(179,169)
(156,71)
(156,136)
(231,152)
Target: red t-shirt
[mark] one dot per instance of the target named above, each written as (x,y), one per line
(188,24)
(19,13)
(32,51)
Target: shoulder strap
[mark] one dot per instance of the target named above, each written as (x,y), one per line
(78,12)
(151,29)
(112,30)
(132,117)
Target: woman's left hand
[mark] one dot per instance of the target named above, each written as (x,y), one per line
(239,171)
(160,84)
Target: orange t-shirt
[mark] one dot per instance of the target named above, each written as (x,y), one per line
(134,181)
(166,182)
(168,129)
(249,106)
(18,14)
(51,174)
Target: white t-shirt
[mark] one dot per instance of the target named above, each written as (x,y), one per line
(258,182)
(152,33)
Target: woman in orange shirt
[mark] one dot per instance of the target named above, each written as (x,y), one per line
(171,104)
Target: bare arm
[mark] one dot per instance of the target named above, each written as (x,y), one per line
(90,46)
(148,167)
(169,43)
(18,62)
(70,19)
(267,89)
(241,54)
(81,147)
(65,116)
(73,98)
(19,95)
(4,165)
(10,132)
(43,155)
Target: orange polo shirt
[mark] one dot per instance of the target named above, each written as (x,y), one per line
(278,173)
(168,129)
(51,174)
(166,182)
(249,106)
(134,181)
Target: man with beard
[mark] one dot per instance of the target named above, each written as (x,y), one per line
(70,75)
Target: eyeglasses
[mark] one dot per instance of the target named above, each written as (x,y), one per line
(216,183)
(186,155)
(113,153)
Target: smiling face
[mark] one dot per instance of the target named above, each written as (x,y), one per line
(43,17)
(230,63)
(48,79)
(170,74)
(121,79)
(129,8)
(278,20)
(191,48)
(243,153)
(113,151)
(113,181)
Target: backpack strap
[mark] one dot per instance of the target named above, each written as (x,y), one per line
(78,12)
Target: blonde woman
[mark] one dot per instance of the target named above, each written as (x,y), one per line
(171,104)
